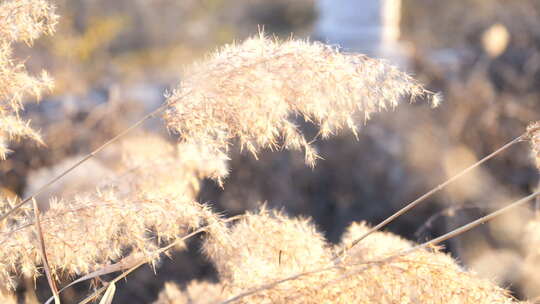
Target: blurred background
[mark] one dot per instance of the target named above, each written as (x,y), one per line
(112,62)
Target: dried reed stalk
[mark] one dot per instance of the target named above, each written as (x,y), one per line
(433,191)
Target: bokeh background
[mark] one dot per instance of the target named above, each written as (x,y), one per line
(112,62)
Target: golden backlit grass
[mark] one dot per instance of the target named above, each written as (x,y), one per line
(20,21)
(251,94)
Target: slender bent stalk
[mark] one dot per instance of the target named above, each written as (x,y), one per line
(44,259)
(446,236)
(475,223)
(429,194)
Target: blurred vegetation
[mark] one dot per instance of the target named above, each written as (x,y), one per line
(490,97)
(102,41)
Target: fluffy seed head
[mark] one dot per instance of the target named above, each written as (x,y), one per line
(149,201)
(252,92)
(20,20)
(267,246)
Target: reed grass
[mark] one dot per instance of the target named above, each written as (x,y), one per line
(249,94)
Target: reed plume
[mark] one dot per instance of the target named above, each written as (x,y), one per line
(20,21)
(241,92)
(267,246)
(249,93)
(150,201)
(252,92)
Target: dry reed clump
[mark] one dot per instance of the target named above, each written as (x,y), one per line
(421,276)
(150,202)
(20,21)
(250,93)
(268,246)
(253,91)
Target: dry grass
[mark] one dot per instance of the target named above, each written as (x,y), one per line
(92,228)
(253,91)
(267,246)
(248,93)
(24,21)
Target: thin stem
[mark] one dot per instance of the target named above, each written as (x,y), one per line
(476,223)
(83,160)
(429,194)
(448,212)
(448,235)
(44,259)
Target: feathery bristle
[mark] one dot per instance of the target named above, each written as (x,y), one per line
(252,92)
